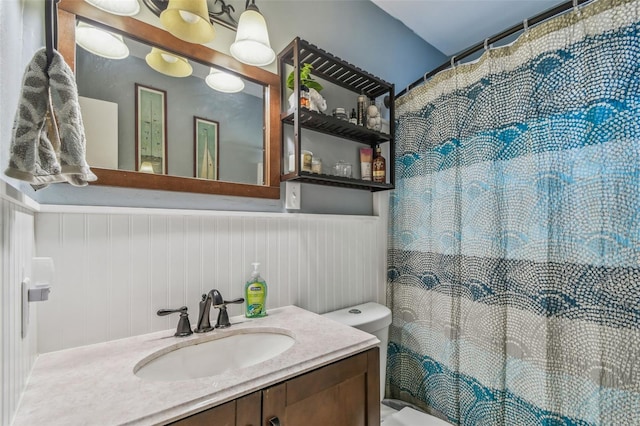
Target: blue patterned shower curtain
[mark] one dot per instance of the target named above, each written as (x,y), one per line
(514,263)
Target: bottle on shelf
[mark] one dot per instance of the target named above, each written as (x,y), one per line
(362,110)
(379,166)
(354,118)
(305,98)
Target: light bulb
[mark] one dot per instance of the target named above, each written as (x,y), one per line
(189,17)
(224,82)
(101,42)
(117,7)
(169,58)
(146,167)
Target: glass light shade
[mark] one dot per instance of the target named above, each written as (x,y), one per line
(146,167)
(188,20)
(101,42)
(252,45)
(224,82)
(117,7)
(168,63)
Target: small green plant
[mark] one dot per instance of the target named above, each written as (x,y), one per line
(305,78)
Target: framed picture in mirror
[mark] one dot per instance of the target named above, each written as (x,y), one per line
(151,130)
(206,135)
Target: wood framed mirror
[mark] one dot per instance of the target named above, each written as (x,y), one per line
(245,146)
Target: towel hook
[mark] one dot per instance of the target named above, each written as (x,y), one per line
(51,28)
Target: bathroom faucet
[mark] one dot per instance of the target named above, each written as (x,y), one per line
(215,299)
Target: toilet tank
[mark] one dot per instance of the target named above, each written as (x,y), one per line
(373,318)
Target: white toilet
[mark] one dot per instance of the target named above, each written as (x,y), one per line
(375,319)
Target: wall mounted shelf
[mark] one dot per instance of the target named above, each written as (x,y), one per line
(333,126)
(347,76)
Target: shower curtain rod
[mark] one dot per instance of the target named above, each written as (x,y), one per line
(506,33)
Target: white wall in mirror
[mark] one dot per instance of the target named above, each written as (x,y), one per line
(100,119)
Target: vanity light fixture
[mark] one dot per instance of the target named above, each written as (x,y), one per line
(117,7)
(168,63)
(224,82)
(188,20)
(184,18)
(100,42)
(252,45)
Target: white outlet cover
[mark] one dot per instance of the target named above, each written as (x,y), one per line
(292,197)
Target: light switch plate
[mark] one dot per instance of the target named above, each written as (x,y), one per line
(292,197)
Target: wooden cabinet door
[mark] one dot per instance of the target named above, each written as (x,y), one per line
(244,411)
(345,393)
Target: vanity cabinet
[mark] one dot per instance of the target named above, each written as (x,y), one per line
(344,393)
(347,76)
(244,411)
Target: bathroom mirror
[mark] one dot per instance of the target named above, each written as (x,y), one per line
(146,129)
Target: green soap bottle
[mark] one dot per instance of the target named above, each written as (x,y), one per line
(255,295)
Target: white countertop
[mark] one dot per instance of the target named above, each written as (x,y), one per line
(96,385)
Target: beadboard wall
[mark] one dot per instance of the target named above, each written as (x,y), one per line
(115,267)
(17,355)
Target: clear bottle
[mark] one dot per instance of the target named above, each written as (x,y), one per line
(362,110)
(379,166)
(255,295)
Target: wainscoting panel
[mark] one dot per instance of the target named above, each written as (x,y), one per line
(17,355)
(115,267)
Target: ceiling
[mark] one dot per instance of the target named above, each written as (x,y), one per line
(454,25)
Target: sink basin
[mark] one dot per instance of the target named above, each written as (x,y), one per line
(209,358)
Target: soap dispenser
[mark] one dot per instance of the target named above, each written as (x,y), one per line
(255,294)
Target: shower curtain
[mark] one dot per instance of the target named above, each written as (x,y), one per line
(514,259)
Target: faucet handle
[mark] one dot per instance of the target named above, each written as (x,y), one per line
(184,326)
(223,315)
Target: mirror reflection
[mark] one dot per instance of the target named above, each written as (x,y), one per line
(156,112)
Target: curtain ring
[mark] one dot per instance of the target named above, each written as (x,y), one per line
(525,26)
(576,7)
(486,44)
(425,76)
(453,61)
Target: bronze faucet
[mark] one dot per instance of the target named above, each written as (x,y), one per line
(215,299)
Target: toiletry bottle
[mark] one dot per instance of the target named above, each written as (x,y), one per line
(379,166)
(255,295)
(362,110)
(366,163)
(354,118)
